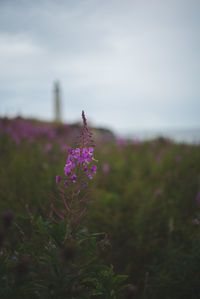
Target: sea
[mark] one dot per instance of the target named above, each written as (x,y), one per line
(191,136)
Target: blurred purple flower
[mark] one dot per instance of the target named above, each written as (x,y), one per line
(158,192)
(198,197)
(58,178)
(136,142)
(63,148)
(121,142)
(89,175)
(93,169)
(66,183)
(106,167)
(73,178)
(196,221)
(48,147)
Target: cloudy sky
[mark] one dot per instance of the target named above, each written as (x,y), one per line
(129,64)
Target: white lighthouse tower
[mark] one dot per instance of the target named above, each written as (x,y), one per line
(57,102)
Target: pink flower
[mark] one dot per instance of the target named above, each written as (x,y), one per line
(121,142)
(63,148)
(136,142)
(198,197)
(48,147)
(196,221)
(73,178)
(58,179)
(158,192)
(93,169)
(80,160)
(106,167)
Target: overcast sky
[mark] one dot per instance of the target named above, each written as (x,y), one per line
(129,64)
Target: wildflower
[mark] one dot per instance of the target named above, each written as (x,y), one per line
(121,142)
(80,158)
(106,167)
(63,148)
(136,142)
(48,147)
(196,221)
(93,169)
(58,178)
(89,175)
(198,197)
(158,192)
(78,169)
(73,178)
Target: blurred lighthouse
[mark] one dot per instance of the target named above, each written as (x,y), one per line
(57,102)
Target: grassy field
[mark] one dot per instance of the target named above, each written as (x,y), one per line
(144,195)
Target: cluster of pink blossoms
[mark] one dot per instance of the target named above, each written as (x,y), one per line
(80,158)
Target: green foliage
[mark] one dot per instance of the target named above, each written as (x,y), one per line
(43,266)
(146,200)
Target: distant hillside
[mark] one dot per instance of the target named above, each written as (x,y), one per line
(29,126)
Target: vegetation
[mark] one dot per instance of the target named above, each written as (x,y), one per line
(138,238)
